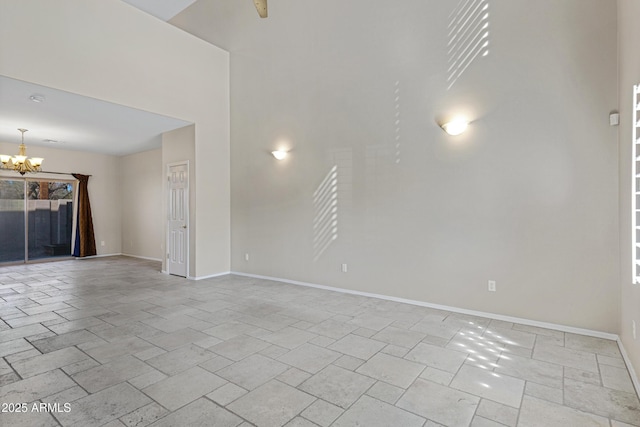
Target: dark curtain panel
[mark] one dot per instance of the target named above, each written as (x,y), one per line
(85,240)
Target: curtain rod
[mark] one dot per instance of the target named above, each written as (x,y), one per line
(59,173)
(30,173)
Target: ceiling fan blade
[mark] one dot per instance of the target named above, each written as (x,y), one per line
(261,7)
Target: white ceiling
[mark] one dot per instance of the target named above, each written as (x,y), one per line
(77,122)
(80,123)
(162,9)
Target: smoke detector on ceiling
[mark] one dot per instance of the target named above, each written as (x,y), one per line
(37,98)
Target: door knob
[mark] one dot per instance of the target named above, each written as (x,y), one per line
(184,226)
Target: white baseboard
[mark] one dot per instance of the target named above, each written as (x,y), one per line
(119,254)
(554,326)
(200,277)
(142,257)
(209,276)
(632,372)
(95,256)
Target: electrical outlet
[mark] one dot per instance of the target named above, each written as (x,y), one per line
(491,286)
(102,243)
(633,327)
(344,268)
(246,257)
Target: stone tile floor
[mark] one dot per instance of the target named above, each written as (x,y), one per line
(112,341)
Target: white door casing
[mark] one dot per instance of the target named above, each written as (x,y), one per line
(178,221)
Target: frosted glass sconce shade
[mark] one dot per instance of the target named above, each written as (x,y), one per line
(455,127)
(279,154)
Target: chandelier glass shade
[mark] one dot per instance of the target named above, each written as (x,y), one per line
(21,163)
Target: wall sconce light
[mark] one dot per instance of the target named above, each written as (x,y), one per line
(455,126)
(279,154)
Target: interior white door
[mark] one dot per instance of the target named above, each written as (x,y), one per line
(178,226)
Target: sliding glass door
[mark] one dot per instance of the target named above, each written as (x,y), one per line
(50,218)
(38,218)
(12,220)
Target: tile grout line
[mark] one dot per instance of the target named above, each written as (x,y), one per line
(457,310)
(365,306)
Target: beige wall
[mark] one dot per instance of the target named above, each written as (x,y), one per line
(629,40)
(179,146)
(141,204)
(527,197)
(126,193)
(111,51)
(104,187)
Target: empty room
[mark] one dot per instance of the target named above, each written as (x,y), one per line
(341,213)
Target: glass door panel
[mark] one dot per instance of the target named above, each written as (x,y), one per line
(50,219)
(12,220)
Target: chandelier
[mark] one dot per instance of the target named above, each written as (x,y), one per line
(21,163)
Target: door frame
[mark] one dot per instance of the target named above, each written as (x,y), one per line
(187,217)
